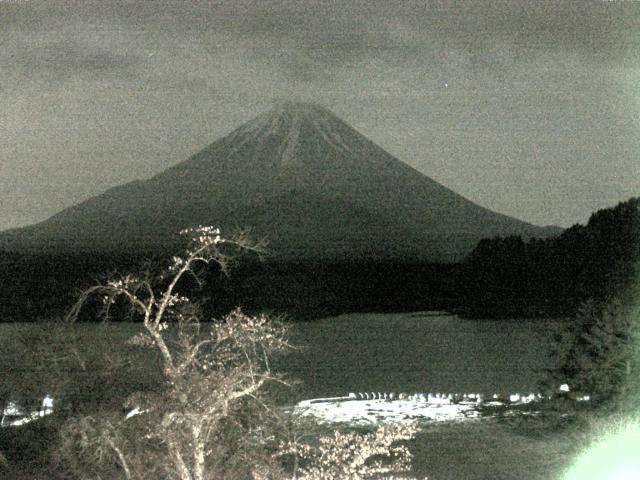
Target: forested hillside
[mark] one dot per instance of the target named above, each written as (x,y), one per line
(507,277)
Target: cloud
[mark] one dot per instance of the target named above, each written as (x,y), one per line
(65,58)
(307,41)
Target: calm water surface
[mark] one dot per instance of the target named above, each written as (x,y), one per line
(416,352)
(386,352)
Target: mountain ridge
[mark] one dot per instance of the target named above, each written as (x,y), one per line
(298,175)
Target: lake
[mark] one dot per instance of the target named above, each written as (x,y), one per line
(404,352)
(414,352)
(417,352)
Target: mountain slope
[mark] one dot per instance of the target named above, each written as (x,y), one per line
(310,183)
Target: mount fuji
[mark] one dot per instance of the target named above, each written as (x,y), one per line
(299,177)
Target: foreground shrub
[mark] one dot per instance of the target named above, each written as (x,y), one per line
(353,455)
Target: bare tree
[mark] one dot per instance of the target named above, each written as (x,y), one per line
(203,423)
(210,418)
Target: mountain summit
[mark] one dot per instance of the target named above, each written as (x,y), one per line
(297,175)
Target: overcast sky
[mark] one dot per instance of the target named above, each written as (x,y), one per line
(529,108)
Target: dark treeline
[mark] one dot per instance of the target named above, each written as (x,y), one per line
(507,277)
(501,278)
(308,290)
(40,287)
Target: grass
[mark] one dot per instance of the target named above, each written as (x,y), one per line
(491,449)
(484,449)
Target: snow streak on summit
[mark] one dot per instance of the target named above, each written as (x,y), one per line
(286,121)
(297,175)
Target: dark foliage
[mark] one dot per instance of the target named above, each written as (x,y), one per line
(39,286)
(597,352)
(310,290)
(28,451)
(42,286)
(507,277)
